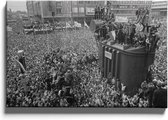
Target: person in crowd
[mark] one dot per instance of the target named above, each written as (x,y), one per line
(102,13)
(142,90)
(96,12)
(149,93)
(152,38)
(132,32)
(21,59)
(120,35)
(149,76)
(112,17)
(148,42)
(160,96)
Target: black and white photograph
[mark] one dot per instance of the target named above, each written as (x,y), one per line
(86,54)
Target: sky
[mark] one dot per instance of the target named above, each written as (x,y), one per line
(16,5)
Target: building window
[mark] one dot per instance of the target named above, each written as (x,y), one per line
(92,2)
(58,10)
(81,10)
(75,10)
(123,6)
(50,6)
(58,4)
(53,13)
(134,6)
(88,2)
(80,2)
(74,2)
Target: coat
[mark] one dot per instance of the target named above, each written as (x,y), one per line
(160,98)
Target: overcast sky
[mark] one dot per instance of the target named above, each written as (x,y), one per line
(16,5)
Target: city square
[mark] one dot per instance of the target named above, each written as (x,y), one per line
(87,54)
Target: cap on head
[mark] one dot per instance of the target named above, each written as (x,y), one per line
(144,84)
(20,51)
(154,80)
(159,83)
(68,76)
(150,85)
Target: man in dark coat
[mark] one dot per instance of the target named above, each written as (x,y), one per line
(149,93)
(120,35)
(132,32)
(96,12)
(102,12)
(160,97)
(149,75)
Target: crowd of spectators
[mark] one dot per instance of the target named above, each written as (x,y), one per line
(67,80)
(68,77)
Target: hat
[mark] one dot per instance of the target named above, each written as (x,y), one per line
(154,80)
(159,83)
(150,85)
(69,76)
(20,51)
(144,84)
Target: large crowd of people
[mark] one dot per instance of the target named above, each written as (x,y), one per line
(69,76)
(66,81)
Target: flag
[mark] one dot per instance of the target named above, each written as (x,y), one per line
(139,27)
(68,25)
(112,35)
(76,24)
(85,25)
(121,19)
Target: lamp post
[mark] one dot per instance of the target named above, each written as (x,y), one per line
(53,14)
(33,20)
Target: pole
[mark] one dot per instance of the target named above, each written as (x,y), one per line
(53,22)
(71,12)
(33,20)
(84,11)
(47,41)
(33,10)
(78,9)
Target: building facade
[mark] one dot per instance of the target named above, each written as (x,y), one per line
(46,10)
(159,8)
(128,8)
(62,10)
(85,10)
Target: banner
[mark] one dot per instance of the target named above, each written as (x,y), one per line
(90,11)
(121,19)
